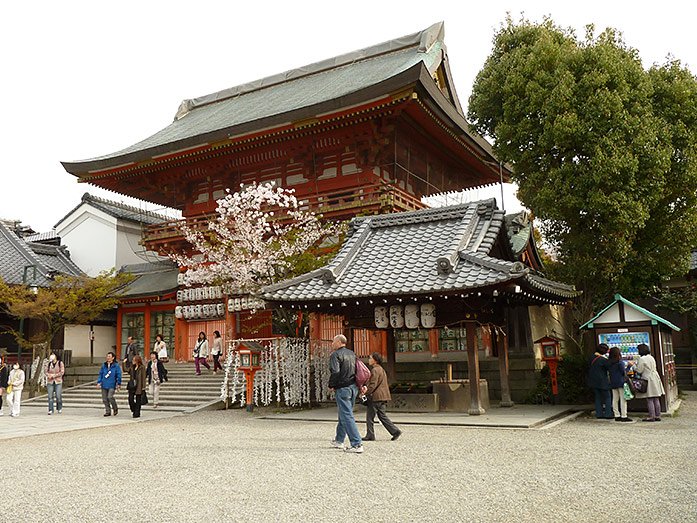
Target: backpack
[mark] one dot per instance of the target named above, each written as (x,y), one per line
(362,373)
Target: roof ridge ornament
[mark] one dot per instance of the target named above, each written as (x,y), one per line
(446,263)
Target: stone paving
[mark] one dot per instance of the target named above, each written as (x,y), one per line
(236,466)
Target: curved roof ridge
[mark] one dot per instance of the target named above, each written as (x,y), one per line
(423,39)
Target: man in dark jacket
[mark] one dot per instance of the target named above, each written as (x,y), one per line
(130,352)
(599,381)
(342,365)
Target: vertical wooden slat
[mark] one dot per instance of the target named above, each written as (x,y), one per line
(503,371)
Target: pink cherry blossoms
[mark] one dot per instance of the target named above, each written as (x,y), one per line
(253,239)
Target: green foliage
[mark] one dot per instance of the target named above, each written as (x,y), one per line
(571,381)
(68,300)
(604,152)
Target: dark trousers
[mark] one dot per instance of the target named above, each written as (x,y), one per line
(603,403)
(216,362)
(378,407)
(134,402)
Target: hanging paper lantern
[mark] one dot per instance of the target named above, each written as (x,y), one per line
(382,320)
(230,305)
(206,311)
(396,316)
(178,312)
(186,311)
(180,296)
(198,311)
(411,316)
(205,293)
(220,309)
(180,278)
(428,315)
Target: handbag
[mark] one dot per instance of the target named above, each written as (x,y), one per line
(144,398)
(8,390)
(627,392)
(639,384)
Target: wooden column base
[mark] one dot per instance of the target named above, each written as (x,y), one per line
(473,371)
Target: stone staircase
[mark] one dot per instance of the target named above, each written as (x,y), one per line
(184,392)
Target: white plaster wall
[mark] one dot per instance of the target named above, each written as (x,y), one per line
(128,239)
(612,315)
(77,340)
(90,236)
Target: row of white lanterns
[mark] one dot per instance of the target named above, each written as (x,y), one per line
(189,312)
(200,294)
(411,316)
(244,304)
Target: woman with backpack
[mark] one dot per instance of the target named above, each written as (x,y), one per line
(618,375)
(378,392)
(201,353)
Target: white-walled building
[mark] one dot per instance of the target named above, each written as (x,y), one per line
(102,234)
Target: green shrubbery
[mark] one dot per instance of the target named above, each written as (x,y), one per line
(571,379)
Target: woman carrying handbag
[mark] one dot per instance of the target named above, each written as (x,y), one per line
(201,353)
(136,386)
(646,366)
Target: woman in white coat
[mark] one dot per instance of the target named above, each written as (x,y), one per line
(646,366)
(14,389)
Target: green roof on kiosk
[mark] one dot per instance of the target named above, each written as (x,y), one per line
(655,319)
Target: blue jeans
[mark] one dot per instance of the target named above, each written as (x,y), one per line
(58,389)
(345,399)
(603,403)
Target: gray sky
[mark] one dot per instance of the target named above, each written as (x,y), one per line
(85,78)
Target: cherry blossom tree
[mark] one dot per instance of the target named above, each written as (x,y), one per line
(259,236)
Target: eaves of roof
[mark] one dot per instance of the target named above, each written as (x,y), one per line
(655,319)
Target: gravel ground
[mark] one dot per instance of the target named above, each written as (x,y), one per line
(230,466)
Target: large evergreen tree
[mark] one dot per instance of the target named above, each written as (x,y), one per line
(604,152)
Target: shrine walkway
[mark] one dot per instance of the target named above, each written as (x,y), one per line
(516,417)
(235,466)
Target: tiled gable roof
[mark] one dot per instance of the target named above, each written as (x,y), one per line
(55,258)
(342,81)
(446,249)
(37,261)
(119,210)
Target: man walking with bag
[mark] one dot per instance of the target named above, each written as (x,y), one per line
(342,365)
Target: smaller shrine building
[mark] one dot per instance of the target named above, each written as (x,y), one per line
(437,284)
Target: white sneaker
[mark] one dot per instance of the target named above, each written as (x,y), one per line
(1,413)
(60,411)
(354,450)
(337,445)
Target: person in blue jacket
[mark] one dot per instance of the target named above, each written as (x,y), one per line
(110,381)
